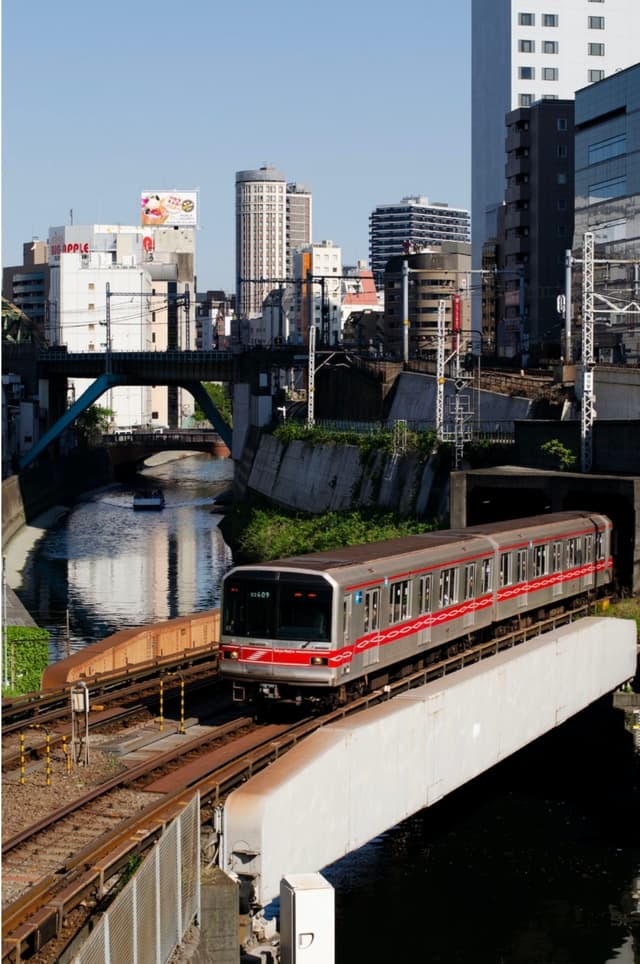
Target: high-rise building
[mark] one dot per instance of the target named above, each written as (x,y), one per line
(273,218)
(529,50)
(536,230)
(299,215)
(607,204)
(27,285)
(410,225)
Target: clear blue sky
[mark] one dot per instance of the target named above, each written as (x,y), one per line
(365,103)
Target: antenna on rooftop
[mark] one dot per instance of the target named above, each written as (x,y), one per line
(71,216)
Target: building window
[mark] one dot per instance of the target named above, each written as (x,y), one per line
(606,190)
(549,19)
(550,46)
(595,76)
(611,147)
(527,46)
(596,23)
(91,286)
(562,178)
(527,19)
(527,73)
(596,50)
(525,100)
(562,204)
(561,150)
(549,73)
(91,306)
(561,124)
(562,230)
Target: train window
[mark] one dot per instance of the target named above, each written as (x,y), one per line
(588,548)
(556,557)
(579,551)
(371,609)
(521,565)
(600,545)
(571,553)
(485,572)
(505,569)
(540,560)
(424,594)
(399,601)
(447,587)
(469,579)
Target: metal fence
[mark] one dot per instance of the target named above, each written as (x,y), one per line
(487,430)
(148,920)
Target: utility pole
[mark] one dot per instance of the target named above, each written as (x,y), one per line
(405,311)
(440,380)
(568,346)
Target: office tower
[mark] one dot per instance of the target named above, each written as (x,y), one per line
(536,230)
(27,285)
(607,204)
(529,50)
(410,225)
(299,211)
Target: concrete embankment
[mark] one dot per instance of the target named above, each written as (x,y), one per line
(336,478)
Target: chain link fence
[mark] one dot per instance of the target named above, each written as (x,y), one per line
(149,918)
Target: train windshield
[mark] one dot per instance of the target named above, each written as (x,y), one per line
(277,606)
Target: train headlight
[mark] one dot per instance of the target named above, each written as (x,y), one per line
(232,654)
(319,661)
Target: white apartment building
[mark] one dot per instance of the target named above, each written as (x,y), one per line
(527,50)
(273,219)
(143,274)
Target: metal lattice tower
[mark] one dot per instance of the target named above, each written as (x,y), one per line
(312,377)
(440,372)
(588,363)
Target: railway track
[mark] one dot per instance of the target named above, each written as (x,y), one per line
(129,812)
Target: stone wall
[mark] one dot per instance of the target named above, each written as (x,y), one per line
(335,478)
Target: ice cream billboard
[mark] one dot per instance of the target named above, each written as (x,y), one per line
(169,207)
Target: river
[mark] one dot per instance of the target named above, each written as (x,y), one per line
(536,862)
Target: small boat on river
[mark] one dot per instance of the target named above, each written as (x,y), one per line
(149,499)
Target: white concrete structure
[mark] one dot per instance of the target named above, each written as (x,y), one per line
(525,50)
(140,265)
(317,302)
(307,924)
(354,779)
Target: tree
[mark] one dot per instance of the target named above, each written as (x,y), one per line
(556,449)
(92,423)
(218,395)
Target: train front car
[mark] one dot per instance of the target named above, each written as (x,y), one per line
(277,632)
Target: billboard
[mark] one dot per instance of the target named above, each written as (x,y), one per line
(169,207)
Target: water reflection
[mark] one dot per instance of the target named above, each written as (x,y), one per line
(111,568)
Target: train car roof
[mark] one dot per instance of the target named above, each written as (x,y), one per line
(370,552)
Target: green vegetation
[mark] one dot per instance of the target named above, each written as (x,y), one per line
(377,439)
(27,656)
(92,423)
(555,448)
(625,609)
(263,534)
(218,395)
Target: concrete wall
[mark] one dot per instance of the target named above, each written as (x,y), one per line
(414,399)
(323,478)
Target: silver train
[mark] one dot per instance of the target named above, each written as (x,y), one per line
(322,625)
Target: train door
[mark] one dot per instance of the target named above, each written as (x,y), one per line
(589,561)
(556,567)
(424,610)
(522,558)
(346,621)
(372,625)
(468,594)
